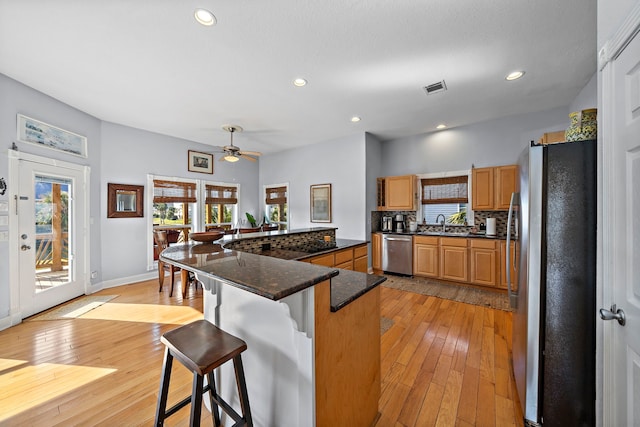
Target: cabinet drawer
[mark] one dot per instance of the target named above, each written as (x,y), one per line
(343,256)
(453,241)
(425,240)
(345,265)
(326,260)
(360,251)
(484,243)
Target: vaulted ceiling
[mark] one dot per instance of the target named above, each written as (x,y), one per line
(148,64)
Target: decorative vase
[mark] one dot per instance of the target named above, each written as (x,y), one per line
(584,125)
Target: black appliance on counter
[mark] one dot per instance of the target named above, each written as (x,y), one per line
(554,291)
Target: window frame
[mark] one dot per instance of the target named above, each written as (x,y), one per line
(234,211)
(448,174)
(265,188)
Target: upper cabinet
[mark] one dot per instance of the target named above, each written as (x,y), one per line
(492,187)
(396,193)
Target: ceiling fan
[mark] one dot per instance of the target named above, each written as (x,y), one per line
(233,153)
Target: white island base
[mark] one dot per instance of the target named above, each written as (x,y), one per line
(304,365)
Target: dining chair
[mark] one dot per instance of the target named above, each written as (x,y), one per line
(162,243)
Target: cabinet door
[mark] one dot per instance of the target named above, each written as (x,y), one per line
(400,193)
(506,179)
(376,252)
(425,260)
(361,264)
(326,260)
(483,189)
(454,263)
(483,267)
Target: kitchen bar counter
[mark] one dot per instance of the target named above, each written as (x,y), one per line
(312,332)
(272,274)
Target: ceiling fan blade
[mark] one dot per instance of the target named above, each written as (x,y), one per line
(244,156)
(251,153)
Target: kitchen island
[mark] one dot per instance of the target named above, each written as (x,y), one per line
(313,332)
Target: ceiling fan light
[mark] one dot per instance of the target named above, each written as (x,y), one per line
(231,158)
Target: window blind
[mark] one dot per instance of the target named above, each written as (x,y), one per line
(453,189)
(174,192)
(276,196)
(217,194)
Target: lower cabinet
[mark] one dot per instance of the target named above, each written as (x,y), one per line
(469,260)
(376,252)
(454,259)
(426,256)
(484,262)
(355,258)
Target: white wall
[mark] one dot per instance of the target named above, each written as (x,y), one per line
(588,96)
(130,154)
(340,163)
(491,143)
(17,98)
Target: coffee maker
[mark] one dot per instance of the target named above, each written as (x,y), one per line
(387,223)
(398,223)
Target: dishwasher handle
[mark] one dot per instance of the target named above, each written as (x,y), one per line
(399,239)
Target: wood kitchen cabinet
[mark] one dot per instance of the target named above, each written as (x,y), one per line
(454,259)
(492,187)
(355,258)
(361,259)
(376,253)
(503,265)
(426,256)
(396,193)
(484,263)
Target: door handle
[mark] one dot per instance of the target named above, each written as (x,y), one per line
(613,313)
(25,247)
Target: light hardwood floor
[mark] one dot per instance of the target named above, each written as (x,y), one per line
(443,363)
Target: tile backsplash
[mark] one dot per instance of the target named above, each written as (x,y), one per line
(478,217)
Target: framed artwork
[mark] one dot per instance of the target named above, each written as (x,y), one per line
(35,132)
(321,203)
(200,162)
(125,201)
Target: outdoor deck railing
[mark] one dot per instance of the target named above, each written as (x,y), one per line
(44,251)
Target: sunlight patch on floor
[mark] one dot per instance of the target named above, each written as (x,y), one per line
(146,313)
(26,388)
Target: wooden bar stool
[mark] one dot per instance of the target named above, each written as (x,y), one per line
(202,347)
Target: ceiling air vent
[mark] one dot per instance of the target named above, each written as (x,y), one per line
(435,88)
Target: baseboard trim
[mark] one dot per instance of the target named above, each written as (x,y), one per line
(124,281)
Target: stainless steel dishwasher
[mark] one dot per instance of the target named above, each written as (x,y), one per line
(397,253)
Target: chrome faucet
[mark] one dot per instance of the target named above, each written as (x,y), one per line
(442,222)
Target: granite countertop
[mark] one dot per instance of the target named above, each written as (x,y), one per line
(274,273)
(469,235)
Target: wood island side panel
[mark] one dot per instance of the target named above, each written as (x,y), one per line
(347,359)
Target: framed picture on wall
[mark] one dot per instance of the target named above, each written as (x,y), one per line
(200,162)
(35,132)
(321,203)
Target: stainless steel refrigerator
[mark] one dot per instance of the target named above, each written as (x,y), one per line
(552,222)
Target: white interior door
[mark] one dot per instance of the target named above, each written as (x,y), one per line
(622,357)
(51,210)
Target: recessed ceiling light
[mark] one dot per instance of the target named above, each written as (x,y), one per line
(205,17)
(515,75)
(441,126)
(299,82)
(355,119)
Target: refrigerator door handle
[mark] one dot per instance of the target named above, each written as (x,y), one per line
(511,293)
